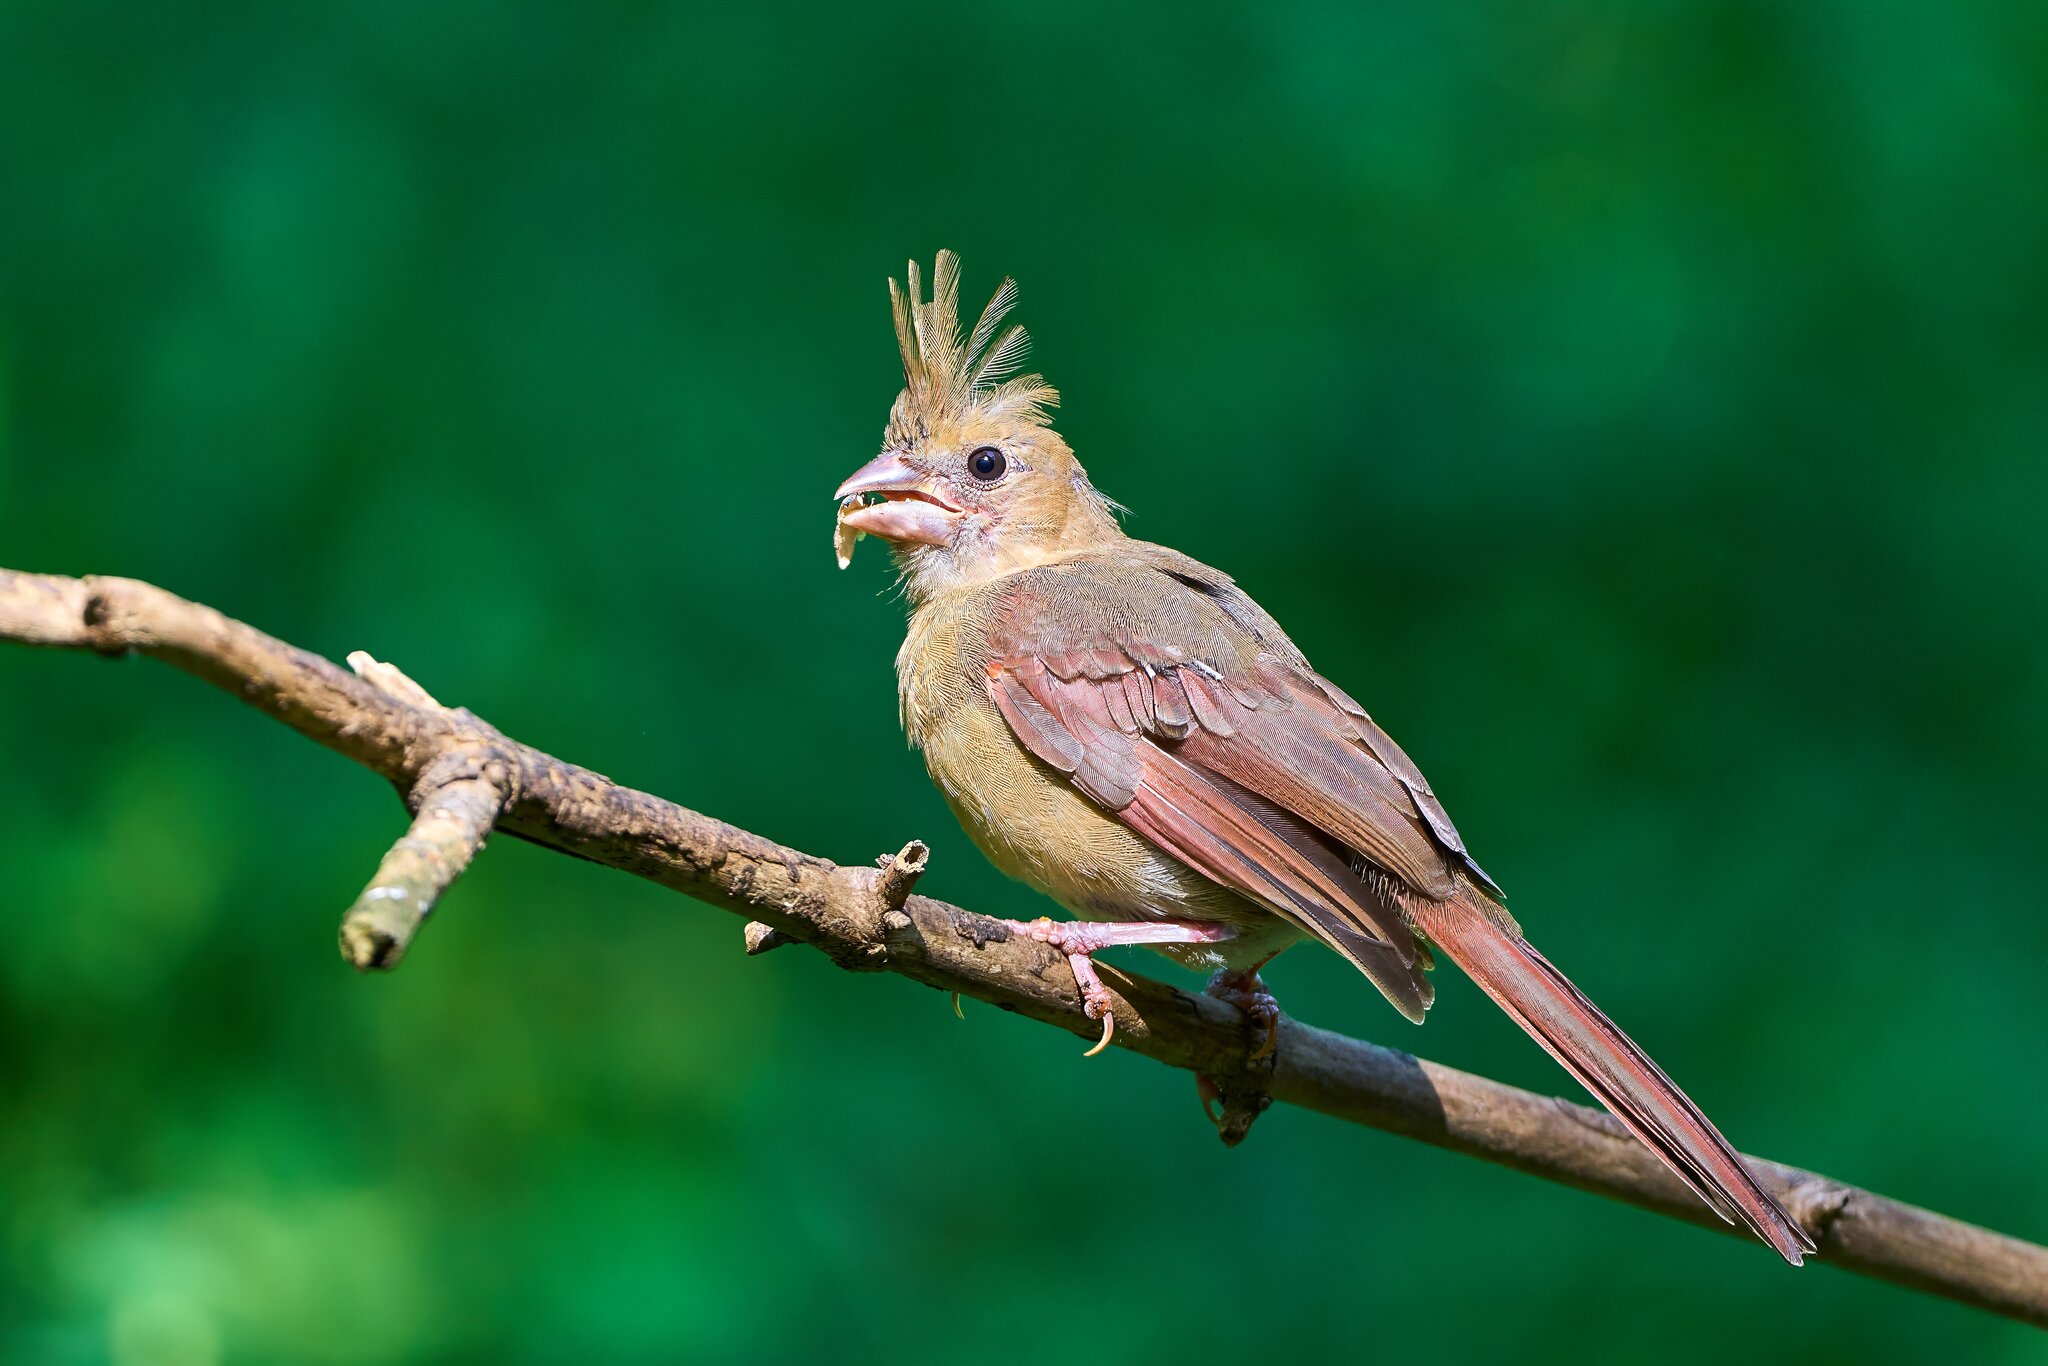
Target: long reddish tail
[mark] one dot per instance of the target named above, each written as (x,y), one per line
(1608,1063)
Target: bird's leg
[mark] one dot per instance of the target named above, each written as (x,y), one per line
(1079,940)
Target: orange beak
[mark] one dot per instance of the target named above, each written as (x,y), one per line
(912,509)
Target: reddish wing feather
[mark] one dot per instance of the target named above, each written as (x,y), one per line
(1232,836)
(1088,731)
(1297,756)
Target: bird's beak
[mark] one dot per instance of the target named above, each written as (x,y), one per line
(912,508)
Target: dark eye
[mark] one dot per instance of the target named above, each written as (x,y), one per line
(987,463)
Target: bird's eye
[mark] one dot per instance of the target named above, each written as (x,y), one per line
(987,463)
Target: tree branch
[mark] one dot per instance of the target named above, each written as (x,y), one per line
(462,777)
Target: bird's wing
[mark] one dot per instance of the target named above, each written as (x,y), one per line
(1203,730)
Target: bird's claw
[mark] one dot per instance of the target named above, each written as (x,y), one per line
(1108,1029)
(1096,1002)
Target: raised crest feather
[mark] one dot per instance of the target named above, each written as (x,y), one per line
(944,376)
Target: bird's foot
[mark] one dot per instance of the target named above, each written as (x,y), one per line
(1080,940)
(1073,940)
(1233,1104)
(1245,989)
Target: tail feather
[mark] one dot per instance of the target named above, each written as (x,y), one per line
(1610,1065)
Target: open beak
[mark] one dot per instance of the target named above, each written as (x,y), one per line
(907,505)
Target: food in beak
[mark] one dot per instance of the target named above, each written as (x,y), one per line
(844,537)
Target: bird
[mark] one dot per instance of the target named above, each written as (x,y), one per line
(1124,729)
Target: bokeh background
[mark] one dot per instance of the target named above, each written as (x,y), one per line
(1643,408)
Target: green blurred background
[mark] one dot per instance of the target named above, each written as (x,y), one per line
(1643,407)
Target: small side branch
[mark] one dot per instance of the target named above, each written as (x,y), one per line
(900,872)
(462,777)
(459,798)
(456,800)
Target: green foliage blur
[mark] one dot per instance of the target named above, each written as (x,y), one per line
(1642,407)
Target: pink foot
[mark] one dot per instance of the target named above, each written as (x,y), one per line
(1079,940)
(1244,1101)
(1243,988)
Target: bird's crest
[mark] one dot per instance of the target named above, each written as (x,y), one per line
(946,376)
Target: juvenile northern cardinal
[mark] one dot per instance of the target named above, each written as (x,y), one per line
(1124,729)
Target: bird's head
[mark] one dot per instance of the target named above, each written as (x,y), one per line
(972,480)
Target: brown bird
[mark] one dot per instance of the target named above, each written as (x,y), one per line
(1124,729)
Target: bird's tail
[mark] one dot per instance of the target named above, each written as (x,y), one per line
(1607,1062)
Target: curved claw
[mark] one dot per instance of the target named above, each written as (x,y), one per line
(1108,1029)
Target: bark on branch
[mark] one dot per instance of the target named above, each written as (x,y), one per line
(461,777)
